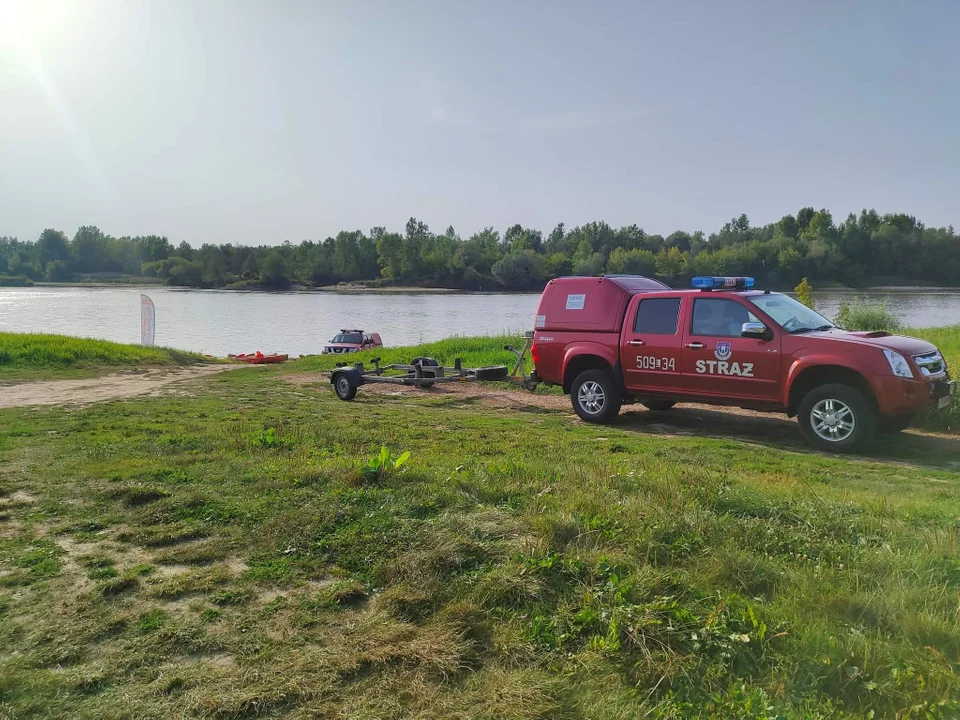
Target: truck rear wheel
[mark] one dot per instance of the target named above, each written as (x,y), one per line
(595,396)
(836,417)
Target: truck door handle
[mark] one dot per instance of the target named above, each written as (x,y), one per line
(695,346)
(637,342)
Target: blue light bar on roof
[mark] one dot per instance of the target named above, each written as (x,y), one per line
(705,282)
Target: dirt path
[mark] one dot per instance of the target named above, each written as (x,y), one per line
(731,422)
(108,387)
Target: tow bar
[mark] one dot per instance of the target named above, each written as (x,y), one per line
(425,372)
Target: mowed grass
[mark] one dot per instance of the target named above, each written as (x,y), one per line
(25,356)
(221,556)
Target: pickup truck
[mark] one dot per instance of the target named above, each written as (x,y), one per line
(351,341)
(617,339)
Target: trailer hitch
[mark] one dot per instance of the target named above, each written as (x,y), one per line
(531,382)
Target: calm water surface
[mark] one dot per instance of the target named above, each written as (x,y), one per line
(221,322)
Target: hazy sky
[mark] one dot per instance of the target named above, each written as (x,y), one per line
(265,121)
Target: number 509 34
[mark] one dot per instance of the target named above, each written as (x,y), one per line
(651,362)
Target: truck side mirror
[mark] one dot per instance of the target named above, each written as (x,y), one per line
(755,330)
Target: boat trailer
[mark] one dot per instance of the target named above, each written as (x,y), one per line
(426,372)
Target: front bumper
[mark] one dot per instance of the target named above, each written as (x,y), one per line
(941,391)
(898,396)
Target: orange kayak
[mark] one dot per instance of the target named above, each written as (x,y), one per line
(258,358)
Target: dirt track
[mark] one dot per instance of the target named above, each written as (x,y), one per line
(109,387)
(731,422)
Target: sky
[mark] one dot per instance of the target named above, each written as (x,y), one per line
(260,122)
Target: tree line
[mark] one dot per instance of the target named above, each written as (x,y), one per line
(868,248)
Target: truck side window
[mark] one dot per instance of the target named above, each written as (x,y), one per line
(719,318)
(657,316)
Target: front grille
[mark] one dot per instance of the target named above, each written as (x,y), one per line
(930,364)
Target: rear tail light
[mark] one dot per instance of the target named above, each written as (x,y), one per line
(535,353)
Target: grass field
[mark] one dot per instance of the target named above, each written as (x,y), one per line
(221,555)
(25,356)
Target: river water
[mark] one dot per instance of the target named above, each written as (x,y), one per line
(299,323)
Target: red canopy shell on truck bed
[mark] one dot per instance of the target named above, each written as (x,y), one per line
(594,304)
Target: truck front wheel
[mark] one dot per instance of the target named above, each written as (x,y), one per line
(837,418)
(595,396)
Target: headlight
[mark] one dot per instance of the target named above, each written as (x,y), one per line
(898,364)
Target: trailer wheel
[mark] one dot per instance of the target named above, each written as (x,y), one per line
(595,396)
(344,387)
(424,362)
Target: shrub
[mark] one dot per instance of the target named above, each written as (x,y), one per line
(15,281)
(864,315)
(520,270)
(805,293)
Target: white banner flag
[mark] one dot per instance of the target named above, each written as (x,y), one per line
(148,321)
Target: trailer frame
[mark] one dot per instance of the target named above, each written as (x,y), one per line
(426,372)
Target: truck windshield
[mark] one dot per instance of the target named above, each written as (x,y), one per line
(792,316)
(355,338)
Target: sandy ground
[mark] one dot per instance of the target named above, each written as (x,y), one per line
(109,387)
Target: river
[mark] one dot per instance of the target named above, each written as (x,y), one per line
(299,323)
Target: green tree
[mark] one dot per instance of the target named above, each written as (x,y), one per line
(632,262)
(89,248)
(521,270)
(57,271)
(53,245)
(556,241)
(389,252)
(670,262)
(274,272)
(591,265)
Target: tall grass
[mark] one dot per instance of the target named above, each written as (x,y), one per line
(472,351)
(866,315)
(947,340)
(28,351)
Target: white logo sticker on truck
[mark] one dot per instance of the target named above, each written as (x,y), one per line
(575,302)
